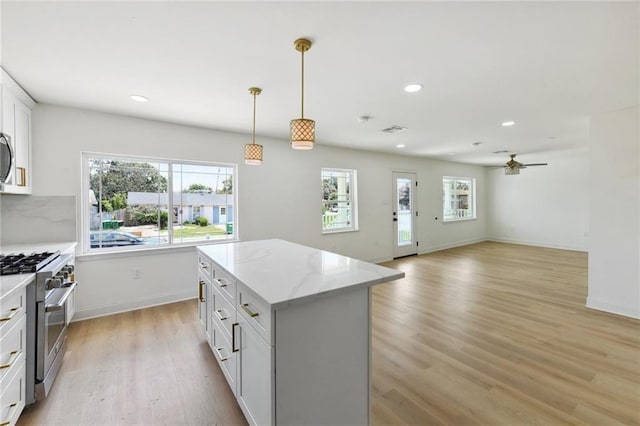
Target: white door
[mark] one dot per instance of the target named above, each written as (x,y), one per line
(404,214)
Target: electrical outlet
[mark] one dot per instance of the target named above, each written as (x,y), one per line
(136,273)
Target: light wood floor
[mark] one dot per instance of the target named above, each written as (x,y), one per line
(145,367)
(490,333)
(498,334)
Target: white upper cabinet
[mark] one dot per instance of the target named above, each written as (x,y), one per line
(16,124)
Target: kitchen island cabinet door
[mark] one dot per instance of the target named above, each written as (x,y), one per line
(254,381)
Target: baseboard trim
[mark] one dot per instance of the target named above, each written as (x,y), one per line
(431,249)
(612,308)
(538,244)
(131,305)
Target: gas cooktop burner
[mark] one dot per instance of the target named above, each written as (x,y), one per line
(25,263)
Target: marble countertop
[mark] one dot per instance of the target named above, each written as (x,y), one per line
(11,283)
(68,246)
(281,272)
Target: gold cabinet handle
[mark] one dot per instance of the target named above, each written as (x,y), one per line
(222,359)
(11,360)
(245,307)
(23,176)
(220,282)
(219,315)
(233,337)
(202,299)
(13,407)
(13,313)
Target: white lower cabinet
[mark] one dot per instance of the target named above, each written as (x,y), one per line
(12,357)
(223,352)
(254,381)
(12,396)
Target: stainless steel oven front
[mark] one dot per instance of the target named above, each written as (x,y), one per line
(51,327)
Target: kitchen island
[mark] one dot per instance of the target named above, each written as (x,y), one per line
(290,327)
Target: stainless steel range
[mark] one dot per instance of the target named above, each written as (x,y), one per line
(48,314)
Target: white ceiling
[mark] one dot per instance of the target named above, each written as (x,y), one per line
(546,65)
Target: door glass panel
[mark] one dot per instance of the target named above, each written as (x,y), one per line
(404,211)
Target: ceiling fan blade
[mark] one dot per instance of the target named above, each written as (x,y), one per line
(536,164)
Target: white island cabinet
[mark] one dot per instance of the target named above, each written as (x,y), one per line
(290,327)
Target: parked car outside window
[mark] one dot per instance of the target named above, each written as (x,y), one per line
(119,239)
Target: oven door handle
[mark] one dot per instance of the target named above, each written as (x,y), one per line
(60,305)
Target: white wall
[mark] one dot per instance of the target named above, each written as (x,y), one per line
(280,199)
(614,206)
(542,206)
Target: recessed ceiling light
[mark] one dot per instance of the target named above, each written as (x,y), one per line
(413,87)
(400,145)
(139,98)
(502,151)
(508,123)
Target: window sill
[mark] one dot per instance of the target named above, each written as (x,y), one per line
(463,219)
(146,251)
(338,231)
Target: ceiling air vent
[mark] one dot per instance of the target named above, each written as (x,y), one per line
(394,129)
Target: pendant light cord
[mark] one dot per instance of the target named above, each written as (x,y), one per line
(254,118)
(302,97)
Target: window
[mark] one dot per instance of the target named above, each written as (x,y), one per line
(197,212)
(459,198)
(339,200)
(129,200)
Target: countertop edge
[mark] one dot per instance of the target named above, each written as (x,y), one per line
(330,293)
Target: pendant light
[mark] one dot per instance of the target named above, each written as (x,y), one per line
(303,130)
(253,151)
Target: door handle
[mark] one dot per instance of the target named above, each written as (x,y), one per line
(395,219)
(60,305)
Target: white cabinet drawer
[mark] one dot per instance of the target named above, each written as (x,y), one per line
(12,348)
(205,266)
(222,311)
(255,311)
(225,284)
(223,353)
(12,308)
(12,397)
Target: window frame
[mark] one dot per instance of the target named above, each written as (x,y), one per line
(352,200)
(85,232)
(472,202)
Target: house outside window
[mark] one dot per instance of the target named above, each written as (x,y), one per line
(459,198)
(339,201)
(128,201)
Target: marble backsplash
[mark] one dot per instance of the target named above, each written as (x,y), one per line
(37,219)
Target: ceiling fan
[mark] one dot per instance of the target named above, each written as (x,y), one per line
(512,167)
